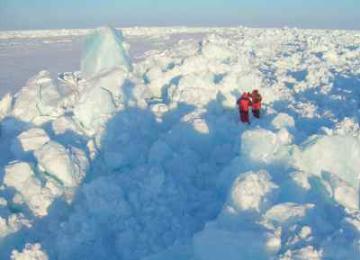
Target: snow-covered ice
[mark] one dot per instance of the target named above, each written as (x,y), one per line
(142,156)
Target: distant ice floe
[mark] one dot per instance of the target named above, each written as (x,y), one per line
(147,160)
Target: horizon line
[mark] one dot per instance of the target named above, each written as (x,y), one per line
(322,28)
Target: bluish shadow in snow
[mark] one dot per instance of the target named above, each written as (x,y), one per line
(150,177)
(10,128)
(218,78)
(154,183)
(342,101)
(165,89)
(298,75)
(305,126)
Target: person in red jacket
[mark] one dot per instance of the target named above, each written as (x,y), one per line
(256,103)
(244,103)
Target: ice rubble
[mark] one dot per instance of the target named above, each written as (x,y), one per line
(147,160)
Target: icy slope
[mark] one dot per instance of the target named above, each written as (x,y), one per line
(147,160)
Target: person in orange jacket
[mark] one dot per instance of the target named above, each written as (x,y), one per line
(244,102)
(256,103)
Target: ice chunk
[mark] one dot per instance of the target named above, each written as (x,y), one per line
(64,124)
(5,105)
(216,48)
(283,120)
(341,191)
(25,102)
(16,175)
(301,180)
(67,166)
(21,177)
(49,96)
(252,193)
(264,146)
(308,252)
(287,213)
(348,126)
(115,82)
(12,224)
(336,154)
(29,140)
(3,202)
(94,109)
(39,98)
(30,252)
(104,50)
(194,89)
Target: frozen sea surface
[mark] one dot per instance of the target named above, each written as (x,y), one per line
(23,54)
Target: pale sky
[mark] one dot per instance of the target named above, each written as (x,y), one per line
(47,14)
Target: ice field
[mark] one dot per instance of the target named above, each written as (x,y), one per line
(127,144)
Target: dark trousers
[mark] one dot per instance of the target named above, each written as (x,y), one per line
(244,116)
(256,113)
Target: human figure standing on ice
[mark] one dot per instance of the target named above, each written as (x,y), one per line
(256,103)
(244,103)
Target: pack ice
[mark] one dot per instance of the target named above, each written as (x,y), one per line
(147,160)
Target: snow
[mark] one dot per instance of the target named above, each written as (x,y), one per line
(141,156)
(252,193)
(30,252)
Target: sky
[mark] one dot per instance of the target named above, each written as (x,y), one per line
(49,14)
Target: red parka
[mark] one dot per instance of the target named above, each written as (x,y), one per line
(244,102)
(256,100)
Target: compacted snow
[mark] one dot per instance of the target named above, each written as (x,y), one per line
(146,159)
